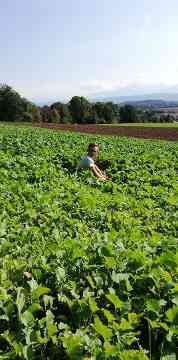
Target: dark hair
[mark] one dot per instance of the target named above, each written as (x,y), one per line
(92,145)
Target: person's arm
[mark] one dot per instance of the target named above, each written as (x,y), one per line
(97,172)
(102,173)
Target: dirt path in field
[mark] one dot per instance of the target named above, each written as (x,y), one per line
(138,132)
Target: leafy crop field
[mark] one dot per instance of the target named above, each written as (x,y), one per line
(103,256)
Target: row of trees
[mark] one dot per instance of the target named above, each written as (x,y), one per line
(13,107)
(80,110)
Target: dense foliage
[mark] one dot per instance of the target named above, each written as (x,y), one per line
(79,110)
(13,107)
(103,256)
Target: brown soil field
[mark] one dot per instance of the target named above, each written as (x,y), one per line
(137,132)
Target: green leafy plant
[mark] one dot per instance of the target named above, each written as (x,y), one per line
(87,269)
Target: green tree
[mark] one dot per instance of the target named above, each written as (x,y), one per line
(33,111)
(107,112)
(54,116)
(128,114)
(79,109)
(111,112)
(45,113)
(63,111)
(12,105)
(27,117)
(92,117)
(150,116)
(99,108)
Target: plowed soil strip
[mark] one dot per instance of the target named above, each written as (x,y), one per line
(138,132)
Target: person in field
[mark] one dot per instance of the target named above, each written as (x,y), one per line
(88,162)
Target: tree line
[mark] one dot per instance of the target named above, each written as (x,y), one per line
(13,107)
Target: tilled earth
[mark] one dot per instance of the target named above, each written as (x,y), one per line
(139,132)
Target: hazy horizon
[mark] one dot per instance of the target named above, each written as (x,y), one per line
(59,49)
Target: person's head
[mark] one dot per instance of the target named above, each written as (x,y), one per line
(93,149)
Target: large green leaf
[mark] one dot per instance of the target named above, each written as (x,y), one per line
(102,329)
(27,318)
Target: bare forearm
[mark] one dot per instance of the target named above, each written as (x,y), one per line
(97,173)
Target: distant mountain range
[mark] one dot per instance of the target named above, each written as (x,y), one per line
(139,96)
(155,100)
(150,100)
(151,104)
(138,92)
(155,97)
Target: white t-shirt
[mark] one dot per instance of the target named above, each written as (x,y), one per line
(86,162)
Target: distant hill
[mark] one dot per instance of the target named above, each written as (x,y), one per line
(151,104)
(154,98)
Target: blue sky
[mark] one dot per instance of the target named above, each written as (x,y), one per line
(56,49)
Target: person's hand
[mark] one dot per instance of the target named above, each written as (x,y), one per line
(104,178)
(28,275)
